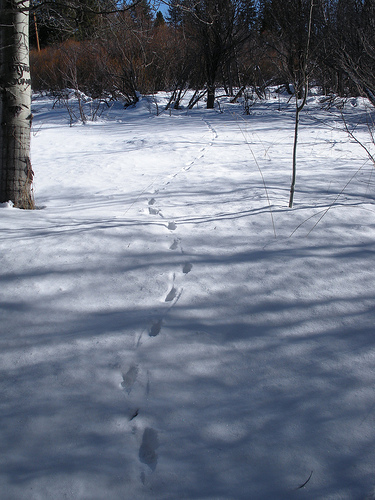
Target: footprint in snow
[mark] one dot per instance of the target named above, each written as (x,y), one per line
(147,450)
(152,201)
(172,226)
(155,328)
(174,245)
(154,211)
(171,295)
(129,378)
(187,267)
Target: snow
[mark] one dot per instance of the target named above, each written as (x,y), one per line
(169,328)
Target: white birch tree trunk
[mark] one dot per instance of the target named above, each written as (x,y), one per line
(16,174)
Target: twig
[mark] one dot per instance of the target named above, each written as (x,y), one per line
(304,484)
(330,206)
(350,133)
(261,174)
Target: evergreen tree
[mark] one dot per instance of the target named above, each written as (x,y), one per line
(141,14)
(175,14)
(159,20)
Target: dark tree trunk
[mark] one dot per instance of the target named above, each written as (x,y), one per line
(210,96)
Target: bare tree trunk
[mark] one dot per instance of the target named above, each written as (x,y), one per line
(16,174)
(210,96)
(302,86)
(299,108)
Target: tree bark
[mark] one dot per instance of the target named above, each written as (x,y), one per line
(210,96)
(16,174)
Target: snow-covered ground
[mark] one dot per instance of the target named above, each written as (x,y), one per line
(170,329)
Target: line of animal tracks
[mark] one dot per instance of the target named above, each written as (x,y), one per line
(138,395)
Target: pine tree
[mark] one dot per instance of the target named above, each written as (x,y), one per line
(159,20)
(175,14)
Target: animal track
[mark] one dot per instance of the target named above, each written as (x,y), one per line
(171,295)
(128,380)
(155,328)
(147,450)
(150,442)
(187,267)
(154,211)
(174,245)
(211,128)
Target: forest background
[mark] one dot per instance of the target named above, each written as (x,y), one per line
(109,50)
